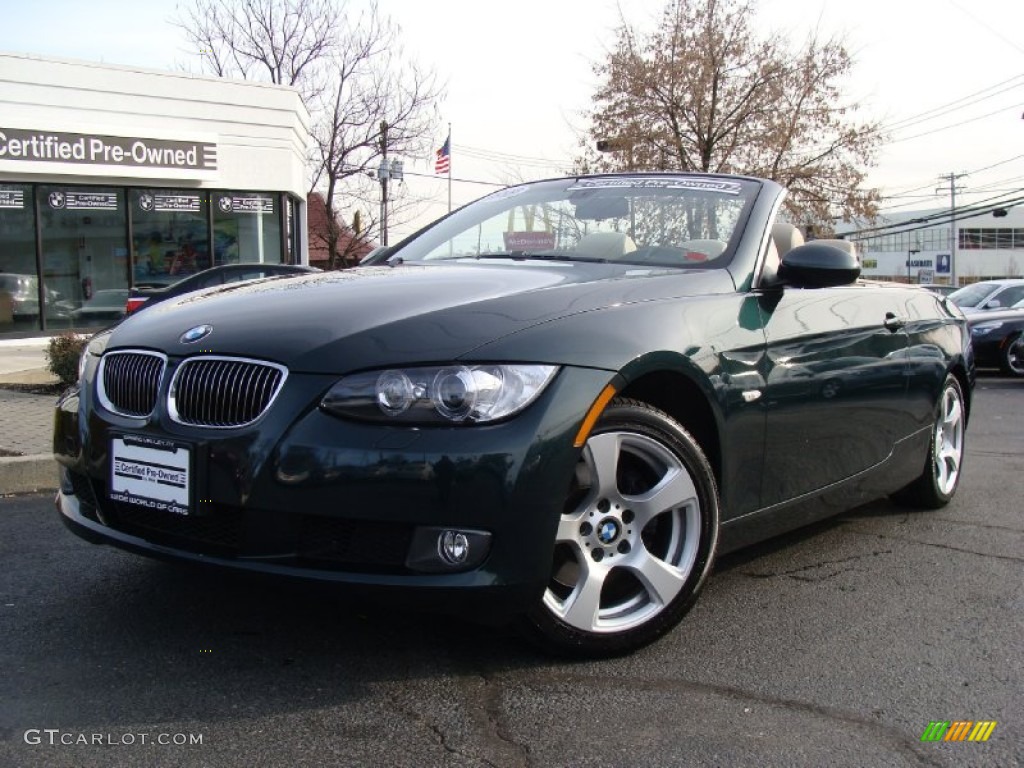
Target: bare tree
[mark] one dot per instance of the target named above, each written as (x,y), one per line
(378,104)
(702,92)
(353,79)
(284,41)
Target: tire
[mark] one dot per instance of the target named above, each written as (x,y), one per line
(1011,362)
(940,478)
(636,539)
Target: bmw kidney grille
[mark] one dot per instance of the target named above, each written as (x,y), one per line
(223,392)
(217,392)
(130,382)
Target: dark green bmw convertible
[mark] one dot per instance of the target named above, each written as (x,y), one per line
(559,403)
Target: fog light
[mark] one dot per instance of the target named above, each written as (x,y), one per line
(435,549)
(453,547)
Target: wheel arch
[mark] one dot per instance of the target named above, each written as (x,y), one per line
(681,397)
(960,372)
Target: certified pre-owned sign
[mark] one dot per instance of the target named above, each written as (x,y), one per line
(93,149)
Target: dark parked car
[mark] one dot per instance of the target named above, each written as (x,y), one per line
(563,420)
(209,278)
(998,338)
(105,307)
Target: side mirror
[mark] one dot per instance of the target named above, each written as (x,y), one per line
(378,255)
(819,265)
(994,304)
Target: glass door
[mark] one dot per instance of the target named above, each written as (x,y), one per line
(85,254)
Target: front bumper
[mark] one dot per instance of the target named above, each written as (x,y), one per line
(304,494)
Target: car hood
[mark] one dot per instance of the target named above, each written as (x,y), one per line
(998,315)
(371,316)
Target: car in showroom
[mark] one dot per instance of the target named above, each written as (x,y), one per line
(146,296)
(998,340)
(19,295)
(104,307)
(558,404)
(987,295)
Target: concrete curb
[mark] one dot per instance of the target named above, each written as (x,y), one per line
(26,474)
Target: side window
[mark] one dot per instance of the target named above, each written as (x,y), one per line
(1010,296)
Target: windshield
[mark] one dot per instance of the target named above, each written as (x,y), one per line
(972,295)
(673,221)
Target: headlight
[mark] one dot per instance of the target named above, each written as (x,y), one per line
(94,349)
(439,394)
(982,328)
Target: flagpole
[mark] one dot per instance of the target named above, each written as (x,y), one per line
(449,167)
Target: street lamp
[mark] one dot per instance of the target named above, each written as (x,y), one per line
(910,252)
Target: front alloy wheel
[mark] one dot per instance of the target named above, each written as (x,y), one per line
(1013,357)
(636,537)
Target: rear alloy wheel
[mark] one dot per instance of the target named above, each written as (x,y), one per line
(941,476)
(636,538)
(1012,361)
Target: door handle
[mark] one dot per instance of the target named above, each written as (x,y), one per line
(893,322)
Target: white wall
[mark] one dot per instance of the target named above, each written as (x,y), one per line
(261,131)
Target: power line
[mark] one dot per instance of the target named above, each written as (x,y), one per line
(935,112)
(902,192)
(494,154)
(932,220)
(986,26)
(948,127)
(454,178)
(951,106)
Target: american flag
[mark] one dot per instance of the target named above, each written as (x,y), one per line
(443,164)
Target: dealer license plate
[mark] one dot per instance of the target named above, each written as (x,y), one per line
(150,472)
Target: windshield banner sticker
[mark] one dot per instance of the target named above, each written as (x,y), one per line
(700,185)
(529,241)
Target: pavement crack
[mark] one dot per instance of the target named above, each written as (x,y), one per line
(800,573)
(894,738)
(965,550)
(438,733)
(995,454)
(489,703)
(853,521)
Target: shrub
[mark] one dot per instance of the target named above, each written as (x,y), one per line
(62,356)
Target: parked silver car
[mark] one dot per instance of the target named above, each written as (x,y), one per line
(989,294)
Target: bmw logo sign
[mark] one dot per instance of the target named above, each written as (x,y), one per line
(192,335)
(607,531)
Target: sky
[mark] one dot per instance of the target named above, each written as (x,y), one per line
(947,77)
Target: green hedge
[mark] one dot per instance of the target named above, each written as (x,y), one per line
(62,356)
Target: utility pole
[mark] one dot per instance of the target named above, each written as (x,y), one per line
(951,178)
(382,174)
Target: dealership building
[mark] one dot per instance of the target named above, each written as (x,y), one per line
(114,176)
(915,246)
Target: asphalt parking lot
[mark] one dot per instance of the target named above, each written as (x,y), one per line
(835,646)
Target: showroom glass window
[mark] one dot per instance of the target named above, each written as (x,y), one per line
(19,283)
(85,254)
(246,227)
(170,234)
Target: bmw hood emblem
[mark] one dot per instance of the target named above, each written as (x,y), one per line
(192,335)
